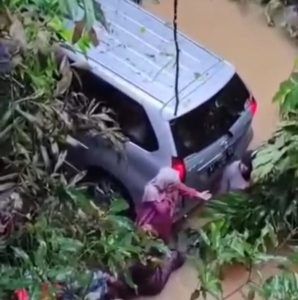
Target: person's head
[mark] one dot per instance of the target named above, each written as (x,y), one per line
(246,166)
(165,177)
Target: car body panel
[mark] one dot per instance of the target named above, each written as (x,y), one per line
(137,56)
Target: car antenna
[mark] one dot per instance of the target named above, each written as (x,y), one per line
(177,56)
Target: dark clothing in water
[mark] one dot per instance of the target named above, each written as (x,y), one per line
(150,280)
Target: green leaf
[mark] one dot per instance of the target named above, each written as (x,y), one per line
(66,79)
(71,141)
(99,14)
(77,178)
(61,273)
(69,8)
(84,43)
(20,253)
(40,254)
(290,102)
(121,222)
(58,26)
(30,118)
(45,156)
(284,89)
(9,176)
(7,186)
(12,282)
(118,205)
(69,245)
(36,292)
(60,161)
(4,133)
(8,112)
(90,18)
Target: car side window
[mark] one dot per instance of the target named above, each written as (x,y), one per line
(135,123)
(130,115)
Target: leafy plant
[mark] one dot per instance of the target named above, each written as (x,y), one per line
(286,97)
(221,246)
(279,287)
(40,114)
(73,230)
(51,231)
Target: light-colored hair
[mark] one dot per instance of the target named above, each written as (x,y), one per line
(165,177)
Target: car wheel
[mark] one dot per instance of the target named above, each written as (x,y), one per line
(104,190)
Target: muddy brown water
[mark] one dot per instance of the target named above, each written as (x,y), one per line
(263,56)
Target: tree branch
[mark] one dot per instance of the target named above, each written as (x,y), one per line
(239,288)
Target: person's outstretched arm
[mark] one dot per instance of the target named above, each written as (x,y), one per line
(186,191)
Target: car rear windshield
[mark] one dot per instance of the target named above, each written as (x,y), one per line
(205,124)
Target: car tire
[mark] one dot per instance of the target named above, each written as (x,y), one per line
(104,188)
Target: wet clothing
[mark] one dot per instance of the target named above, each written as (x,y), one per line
(98,288)
(160,212)
(150,280)
(232,179)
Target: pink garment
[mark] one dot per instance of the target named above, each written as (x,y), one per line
(159,213)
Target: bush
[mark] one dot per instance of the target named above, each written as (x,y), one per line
(51,231)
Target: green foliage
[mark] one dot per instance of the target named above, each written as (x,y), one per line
(73,230)
(220,246)
(84,12)
(278,287)
(53,232)
(286,97)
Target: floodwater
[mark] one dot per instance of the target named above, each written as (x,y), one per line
(263,56)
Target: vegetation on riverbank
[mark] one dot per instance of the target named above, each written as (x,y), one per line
(51,231)
(250,229)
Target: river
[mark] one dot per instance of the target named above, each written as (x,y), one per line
(263,56)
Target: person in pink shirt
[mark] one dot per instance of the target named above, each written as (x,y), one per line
(161,196)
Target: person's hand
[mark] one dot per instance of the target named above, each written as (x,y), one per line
(148,229)
(205,195)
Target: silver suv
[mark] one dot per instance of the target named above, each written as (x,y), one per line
(132,71)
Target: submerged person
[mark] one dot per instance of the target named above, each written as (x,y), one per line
(237,175)
(161,197)
(151,278)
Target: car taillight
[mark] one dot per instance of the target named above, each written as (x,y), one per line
(179,166)
(253,105)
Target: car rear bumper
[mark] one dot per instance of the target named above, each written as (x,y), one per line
(241,147)
(244,143)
